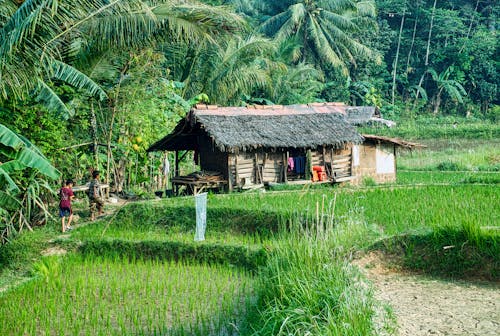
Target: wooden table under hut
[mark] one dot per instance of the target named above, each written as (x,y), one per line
(198,182)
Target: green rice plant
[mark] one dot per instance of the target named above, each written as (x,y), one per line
(98,295)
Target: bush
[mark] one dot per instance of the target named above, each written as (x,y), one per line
(449,166)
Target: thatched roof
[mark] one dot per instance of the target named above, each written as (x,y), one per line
(363,115)
(394,141)
(275,126)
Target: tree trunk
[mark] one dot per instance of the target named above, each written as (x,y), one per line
(470,28)
(395,67)
(113,106)
(412,41)
(93,124)
(430,34)
(437,102)
(426,53)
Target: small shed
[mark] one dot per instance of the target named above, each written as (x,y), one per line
(376,158)
(256,144)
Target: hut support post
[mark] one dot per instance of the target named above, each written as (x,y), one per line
(236,175)
(176,172)
(324,156)
(229,175)
(285,166)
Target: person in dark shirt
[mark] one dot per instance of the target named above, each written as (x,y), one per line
(66,195)
(95,198)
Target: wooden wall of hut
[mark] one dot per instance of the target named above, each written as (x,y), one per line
(273,166)
(242,169)
(338,162)
(256,167)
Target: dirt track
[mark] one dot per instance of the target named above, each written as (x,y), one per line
(426,306)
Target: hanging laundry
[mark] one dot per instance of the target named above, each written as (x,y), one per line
(291,164)
(300,164)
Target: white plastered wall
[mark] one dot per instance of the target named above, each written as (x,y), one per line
(385,159)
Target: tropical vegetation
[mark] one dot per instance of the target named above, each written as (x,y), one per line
(91,84)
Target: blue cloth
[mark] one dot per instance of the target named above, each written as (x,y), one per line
(300,164)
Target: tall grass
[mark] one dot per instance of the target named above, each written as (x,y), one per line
(308,286)
(111,296)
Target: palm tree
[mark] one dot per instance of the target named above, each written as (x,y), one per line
(225,70)
(324,27)
(40,40)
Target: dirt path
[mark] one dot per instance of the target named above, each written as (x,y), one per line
(426,306)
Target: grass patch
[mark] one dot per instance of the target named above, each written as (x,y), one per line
(111,296)
(425,127)
(308,287)
(246,258)
(446,177)
(458,253)
(453,155)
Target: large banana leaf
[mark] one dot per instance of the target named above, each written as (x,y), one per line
(12,166)
(26,154)
(8,202)
(9,138)
(11,185)
(32,159)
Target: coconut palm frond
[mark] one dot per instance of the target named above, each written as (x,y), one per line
(326,29)
(51,100)
(72,76)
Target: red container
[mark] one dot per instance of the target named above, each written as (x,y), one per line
(319,168)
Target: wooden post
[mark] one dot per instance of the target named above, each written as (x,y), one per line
(324,156)
(229,175)
(285,165)
(256,168)
(176,172)
(237,177)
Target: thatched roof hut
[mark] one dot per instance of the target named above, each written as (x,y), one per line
(253,145)
(234,129)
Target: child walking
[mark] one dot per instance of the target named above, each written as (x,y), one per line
(66,195)
(95,198)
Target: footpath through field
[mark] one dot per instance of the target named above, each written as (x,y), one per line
(427,306)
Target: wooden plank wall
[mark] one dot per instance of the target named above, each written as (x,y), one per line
(246,168)
(273,167)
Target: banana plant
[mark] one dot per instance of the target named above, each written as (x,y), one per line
(23,173)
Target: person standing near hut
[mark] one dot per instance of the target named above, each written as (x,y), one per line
(95,198)
(66,195)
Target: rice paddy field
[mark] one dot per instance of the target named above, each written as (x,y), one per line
(273,262)
(112,296)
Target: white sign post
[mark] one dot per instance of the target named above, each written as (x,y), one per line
(201,216)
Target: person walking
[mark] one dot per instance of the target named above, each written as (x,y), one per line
(95,198)
(65,196)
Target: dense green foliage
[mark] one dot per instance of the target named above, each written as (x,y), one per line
(94,83)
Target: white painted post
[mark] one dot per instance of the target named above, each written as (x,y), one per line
(201,216)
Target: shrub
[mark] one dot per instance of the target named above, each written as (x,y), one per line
(449,166)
